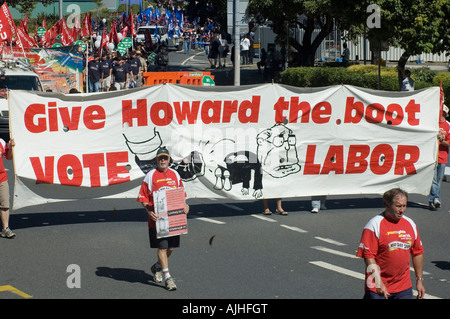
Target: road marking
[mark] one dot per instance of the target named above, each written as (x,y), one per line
(338,269)
(14,290)
(294,228)
(210,220)
(191,58)
(264,218)
(335,252)
(331,241)
(355,274)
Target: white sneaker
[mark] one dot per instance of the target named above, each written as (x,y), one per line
(315,210)
(170,284)
(7,233)
(437,203)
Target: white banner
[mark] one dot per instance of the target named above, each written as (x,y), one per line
(239,143)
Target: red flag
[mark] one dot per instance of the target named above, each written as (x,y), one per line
(24,23)
(132,28)
(75,33)
(66,36)
(44,24)
(47,39)
(86,26)
(113,34)
(7,26)
(23,40)
(124,32)
(104,40)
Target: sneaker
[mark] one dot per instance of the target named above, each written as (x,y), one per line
(437,203)
(7,233)
(170,284)
(315,210)
(157,274)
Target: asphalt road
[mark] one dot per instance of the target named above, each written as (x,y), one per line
(231,252)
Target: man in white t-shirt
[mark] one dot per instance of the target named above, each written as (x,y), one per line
(245,46)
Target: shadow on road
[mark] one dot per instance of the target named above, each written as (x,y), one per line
(126,274)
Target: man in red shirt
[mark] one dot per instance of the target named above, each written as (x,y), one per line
(388,240)
(434,199)
(162,177)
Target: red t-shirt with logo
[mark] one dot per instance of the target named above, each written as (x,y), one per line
(157,180)
(391,245)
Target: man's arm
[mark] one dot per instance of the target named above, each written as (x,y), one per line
(418,269)
(9,153)
(150,211)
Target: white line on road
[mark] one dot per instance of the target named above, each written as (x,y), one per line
(335,252)
(191,58)
(331,241)
(294,228)
(338,269)
(210,220)
(264,218)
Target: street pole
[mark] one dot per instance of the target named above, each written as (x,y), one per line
(237,50)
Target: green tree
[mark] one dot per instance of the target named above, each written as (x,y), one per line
(416,26)
(306,14)
(26,6)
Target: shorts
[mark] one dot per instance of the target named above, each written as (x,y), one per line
(213,54)
(163,243)
(120,85)
(106,82)
(405,294)
(4,195)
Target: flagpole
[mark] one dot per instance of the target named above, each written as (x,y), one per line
(87,69)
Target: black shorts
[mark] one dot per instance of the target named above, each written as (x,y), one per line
(213,54)
(162,243)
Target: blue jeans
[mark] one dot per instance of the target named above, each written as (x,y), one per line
(94,86)
(187,46)
(435,190)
